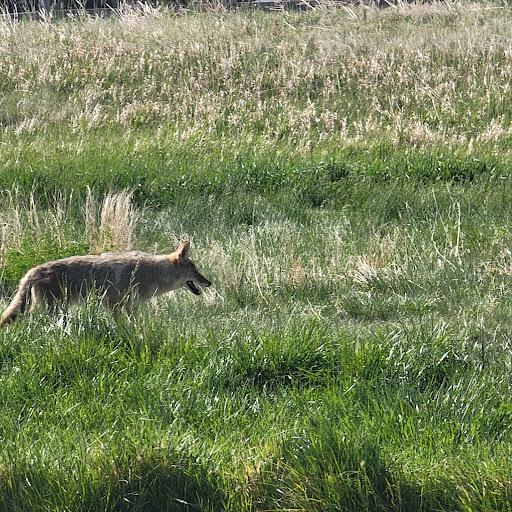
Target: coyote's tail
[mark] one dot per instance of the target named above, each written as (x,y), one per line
(19,302)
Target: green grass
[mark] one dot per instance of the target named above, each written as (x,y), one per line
(344,178)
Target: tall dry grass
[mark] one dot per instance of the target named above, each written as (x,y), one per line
(411,74)
(110,223)
(24,218)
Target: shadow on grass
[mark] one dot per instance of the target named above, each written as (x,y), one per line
(329,469)
(141,484)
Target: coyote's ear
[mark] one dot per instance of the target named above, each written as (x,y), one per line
(183,249)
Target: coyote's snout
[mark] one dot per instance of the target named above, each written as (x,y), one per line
(121,280)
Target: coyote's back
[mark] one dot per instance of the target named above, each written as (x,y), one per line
(121,280)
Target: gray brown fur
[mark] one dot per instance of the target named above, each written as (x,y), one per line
(121,280)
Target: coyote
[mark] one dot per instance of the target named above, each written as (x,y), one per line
(121,280)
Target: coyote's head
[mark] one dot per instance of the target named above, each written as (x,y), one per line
(188,273)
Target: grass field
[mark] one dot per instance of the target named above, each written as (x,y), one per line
(344,176)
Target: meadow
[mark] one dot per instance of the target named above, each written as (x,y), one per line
(344,177)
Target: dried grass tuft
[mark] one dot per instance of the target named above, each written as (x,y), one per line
(110,224)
